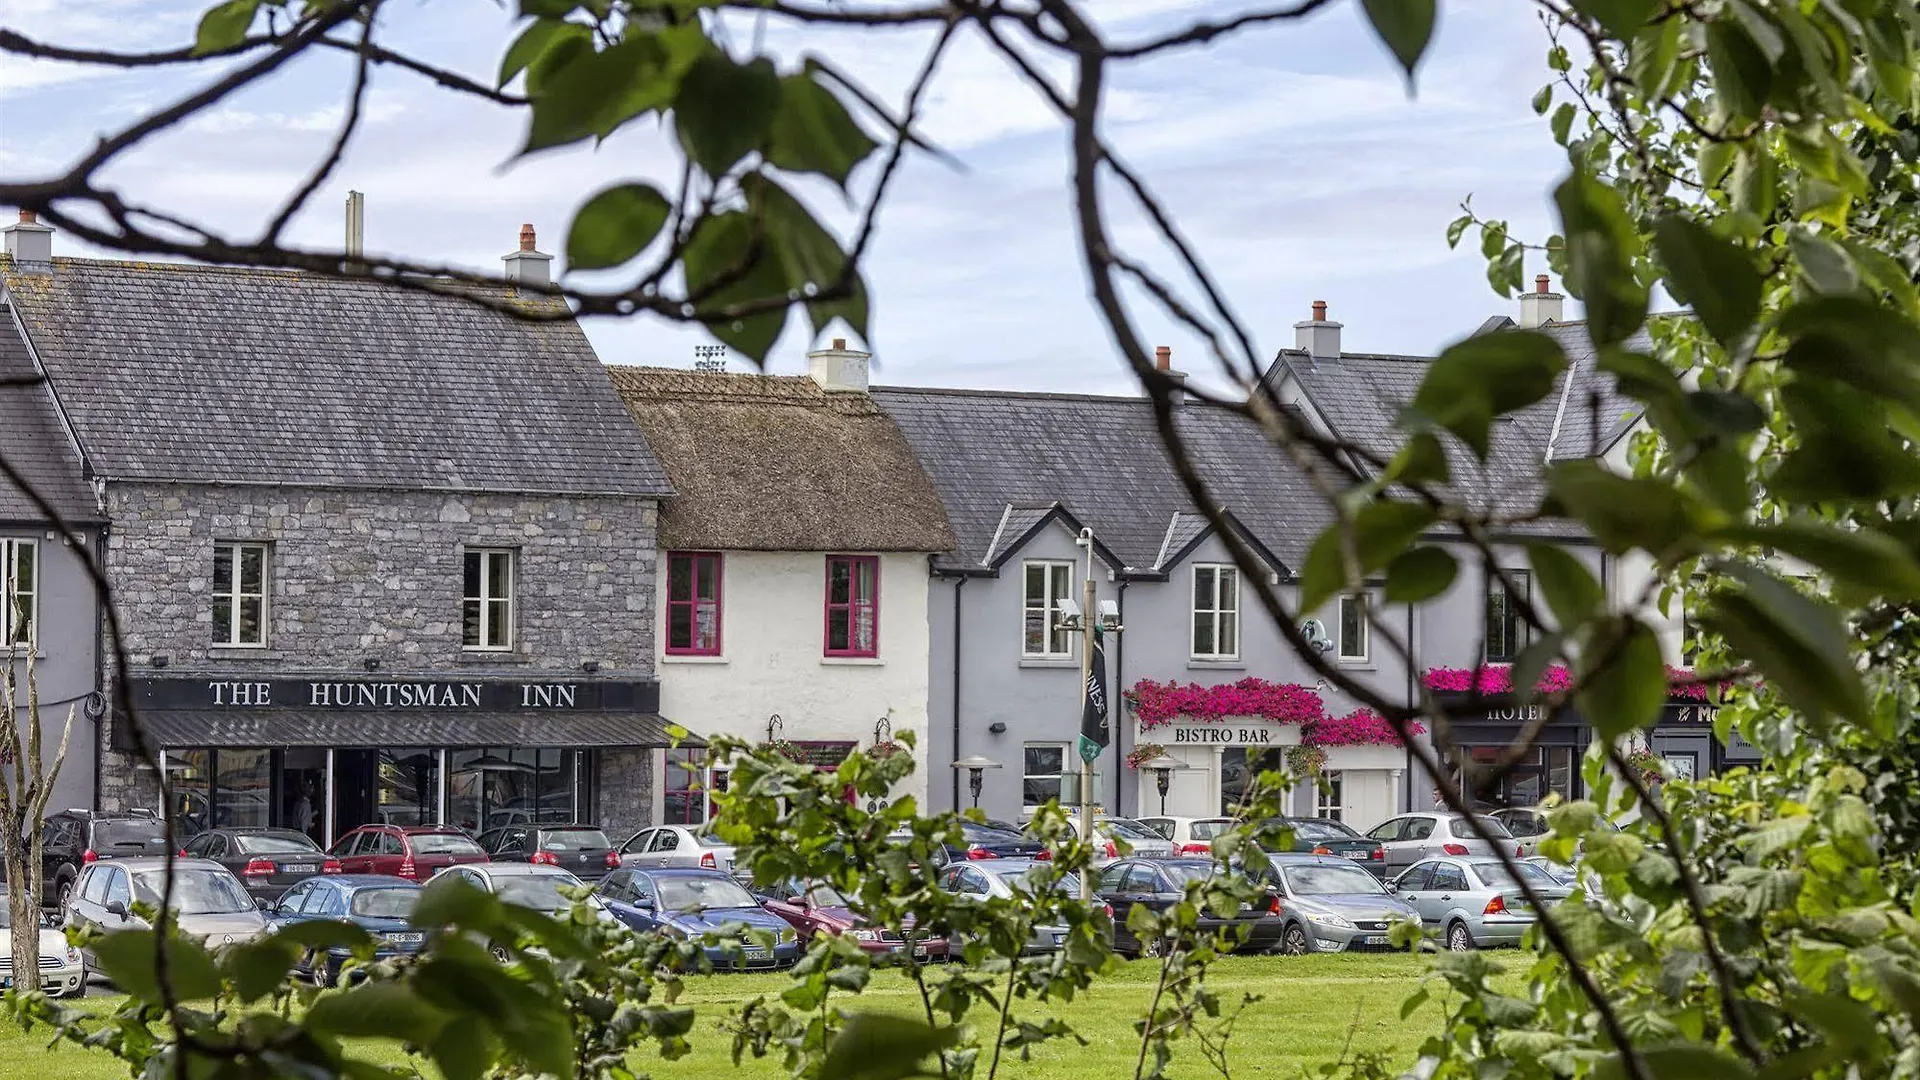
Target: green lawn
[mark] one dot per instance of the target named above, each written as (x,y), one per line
(1309,1006)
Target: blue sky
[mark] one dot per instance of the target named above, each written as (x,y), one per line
(1293,157)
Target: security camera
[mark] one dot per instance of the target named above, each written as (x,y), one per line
(1315,632)
(1070,617)
(1109,615)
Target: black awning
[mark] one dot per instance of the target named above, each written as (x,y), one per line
(178,728)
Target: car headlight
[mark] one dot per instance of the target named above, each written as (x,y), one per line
(1330,919)
(866,935)
(73,955)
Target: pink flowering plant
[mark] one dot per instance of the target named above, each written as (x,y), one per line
(1156,703)
(1495,679)
(1361,727)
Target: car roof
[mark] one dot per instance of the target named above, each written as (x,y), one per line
(1301,858)
(159,862)
(519,869)
(679,871)
(367,881)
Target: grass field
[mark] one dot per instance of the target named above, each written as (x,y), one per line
(1309,1006)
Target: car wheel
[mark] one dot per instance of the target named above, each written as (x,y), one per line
(325,975)
(500,954)
(1159,946)
(1294,942)
(63,896)
(1458,939)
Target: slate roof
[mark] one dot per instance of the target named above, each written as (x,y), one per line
(34,441)
(200,374)
(1003,462)
(775,463)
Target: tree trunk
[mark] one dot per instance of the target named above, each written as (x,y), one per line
(23,910)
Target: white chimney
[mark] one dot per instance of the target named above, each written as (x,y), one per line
(356,225)
(30,243)
(1318,337)
(839,369)
(1539,307)
(527,266)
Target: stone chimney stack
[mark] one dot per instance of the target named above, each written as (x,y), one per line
(527,266)
(30,244)
(1318,337)
(839,370)
(1163,361)
(1541,306)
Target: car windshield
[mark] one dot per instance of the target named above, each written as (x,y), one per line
(195,891)
(1331,881)
(687,893)
(433,843)
(538,891)
(111,835)
(1494,828)
(385,903)
(1184,872)
(1127,830)
(983,834)
(710,840)
(275,844)
(1321,830)
(574,840)
(825,896)
(1207,830)
(1496,875)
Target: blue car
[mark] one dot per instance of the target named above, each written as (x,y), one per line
(691,903)
(377,904)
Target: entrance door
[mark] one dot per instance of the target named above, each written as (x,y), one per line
(302,791)
(354,775)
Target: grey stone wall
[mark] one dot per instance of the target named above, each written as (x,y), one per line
(626,792)
(358,575)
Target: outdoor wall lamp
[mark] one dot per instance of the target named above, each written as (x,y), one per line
(371,663)
(774,726)
(976,767)
(882,731)
(1163,768)
(589,666)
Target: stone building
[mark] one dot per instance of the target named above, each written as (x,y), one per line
(379,553)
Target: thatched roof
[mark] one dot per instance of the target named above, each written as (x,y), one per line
(774,463)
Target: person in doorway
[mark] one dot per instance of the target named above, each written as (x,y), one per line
(303,808)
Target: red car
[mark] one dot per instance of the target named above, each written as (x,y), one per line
(413,852)
(819,909)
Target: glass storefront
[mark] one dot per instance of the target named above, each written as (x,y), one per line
(685,785)
(488,787)
(1545,770)
(1239,768)
(409,788)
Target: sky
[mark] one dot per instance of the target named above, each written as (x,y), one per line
(1294,158)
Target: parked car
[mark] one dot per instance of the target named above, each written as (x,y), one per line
(1007,879)
(677,845)
(377,904)
(1110,833)
(1325,836)
(209,903)
(1160,883)
(533,885)
(693,903)
(818,908)
(1529,826)
(412,852)
(1410,838)
(582,850)
(267,861)
(1474,903)
(982,842)
(1190,836)
(1328,904)
(62,974)
(1562,875)
(71,839)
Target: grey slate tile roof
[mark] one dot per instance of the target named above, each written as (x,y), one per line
(35,443)
(176,372)
(998,459)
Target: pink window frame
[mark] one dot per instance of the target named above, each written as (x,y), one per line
(828,606)
(693,603)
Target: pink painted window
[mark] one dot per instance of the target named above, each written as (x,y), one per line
(693,603)
(853,605)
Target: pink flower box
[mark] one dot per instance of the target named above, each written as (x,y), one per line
(1158,704)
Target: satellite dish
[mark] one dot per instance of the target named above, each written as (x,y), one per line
(1315,632)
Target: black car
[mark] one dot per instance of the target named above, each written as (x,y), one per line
(267,861)
(985,842)
(71,839)
(1162,883)
(1325,836)
(584,850)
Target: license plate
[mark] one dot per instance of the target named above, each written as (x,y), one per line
(1059,939)
(1374,939)
(752,950)
(405,939)
(920,952)
(297,868)
(1360,856)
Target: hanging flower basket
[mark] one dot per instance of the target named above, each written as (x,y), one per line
(1651,767)
(1142,753)
(783,747)
(1306,760)
(886,749)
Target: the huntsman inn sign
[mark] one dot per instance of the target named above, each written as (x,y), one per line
(483,695)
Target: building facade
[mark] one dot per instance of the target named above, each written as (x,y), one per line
(380,555)
(791,582)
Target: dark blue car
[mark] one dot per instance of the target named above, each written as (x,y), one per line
(691,903)
(377,904)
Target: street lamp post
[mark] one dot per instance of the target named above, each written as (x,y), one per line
(976,767)
(1163,769)
(1082,617)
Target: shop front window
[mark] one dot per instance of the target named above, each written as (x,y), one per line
(242,788)
(685,787)
(189,789)
(491,787)
(1547,770)
(1239,769)
(409,789)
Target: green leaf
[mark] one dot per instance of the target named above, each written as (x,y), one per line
(1601,245)
(813,132)
(447,901)
(1871,561)
(1766,36)
(1381,531)
(533,43)
(1710,275)
(1755,182)
(1420,575)
(878,1046)
(1826,264)
(1619,18)
(1843,1020)
(1625,678)
(1846,451)
(1534,660)
(1484,377)
(583,94)
(810,256)
(1654,58)
(1458,228)
(616,225)
(260,966)
(1422,461)
(463,1051)
(1682,1061)
(127,958)
(1562,123)
(224,26)
(378,1010)
(1571,591)
(1714,159)
(1624,513)
(726,247)
(1505,271)
(1857,342)
(1742,76)
(1414,1001)
(724,110)
(1543,100)
(1797,643)
(1404,26)
(325,934)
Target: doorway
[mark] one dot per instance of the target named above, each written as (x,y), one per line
(354,774)
(301,791)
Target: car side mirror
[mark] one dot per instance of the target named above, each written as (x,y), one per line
(261,903)
(1393,886)
(115,907)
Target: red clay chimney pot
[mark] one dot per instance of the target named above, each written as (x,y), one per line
(1163,357)
(1319,311)
(1540,284)
(840,343)
(29,217)
(526,237)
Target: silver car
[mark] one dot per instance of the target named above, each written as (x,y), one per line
(1110,834)
(1331,905)
(677,845)
(1008,879)
(1529,826)
(209,903)
(1410,838)
(1473,903)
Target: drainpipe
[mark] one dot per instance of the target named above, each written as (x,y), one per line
(100,663)
(959,583)
(1406,785)
(1113,709)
